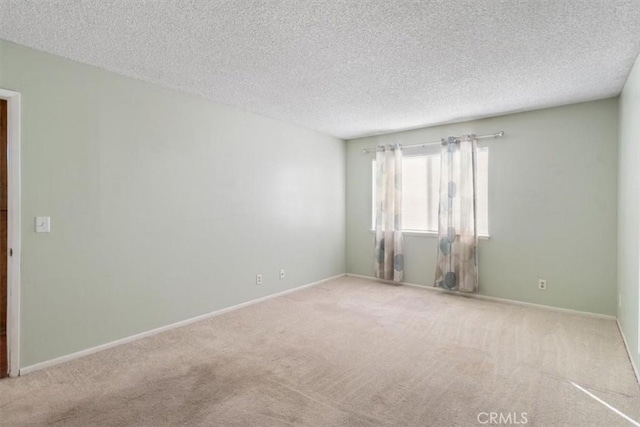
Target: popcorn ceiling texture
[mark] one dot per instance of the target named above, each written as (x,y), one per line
(350,68)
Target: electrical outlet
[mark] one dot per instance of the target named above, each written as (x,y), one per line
(258,279)
(281,274)
(542,284)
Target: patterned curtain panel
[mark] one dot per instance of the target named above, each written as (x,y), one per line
(457,267)
(389,255)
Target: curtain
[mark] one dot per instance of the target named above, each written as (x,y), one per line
(389,254)
(457,267)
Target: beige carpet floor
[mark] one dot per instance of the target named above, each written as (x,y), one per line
(349,352)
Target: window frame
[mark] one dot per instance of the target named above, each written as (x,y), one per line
(413,232)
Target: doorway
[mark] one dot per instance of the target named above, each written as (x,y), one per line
(4,353)
(9,233)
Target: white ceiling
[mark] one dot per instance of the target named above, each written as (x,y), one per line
(350,68)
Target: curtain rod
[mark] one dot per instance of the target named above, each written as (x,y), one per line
(489,135)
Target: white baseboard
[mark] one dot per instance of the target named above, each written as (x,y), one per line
(488,298)
(626,345)
(58,360)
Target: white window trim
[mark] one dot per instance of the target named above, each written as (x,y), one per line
(431,234)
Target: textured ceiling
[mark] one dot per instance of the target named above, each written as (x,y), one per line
(350,68)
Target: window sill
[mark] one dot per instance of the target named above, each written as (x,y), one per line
(431,234)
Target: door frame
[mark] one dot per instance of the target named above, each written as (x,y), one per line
(13,229)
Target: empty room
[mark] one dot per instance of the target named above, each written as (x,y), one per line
(319,213)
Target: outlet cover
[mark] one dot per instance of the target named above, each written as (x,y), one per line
(542,284)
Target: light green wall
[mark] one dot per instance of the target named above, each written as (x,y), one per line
(552,206)
(629,211)
(164,206)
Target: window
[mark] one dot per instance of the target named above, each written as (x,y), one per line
(421,189)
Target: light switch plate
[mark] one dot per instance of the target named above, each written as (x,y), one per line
(43,224)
